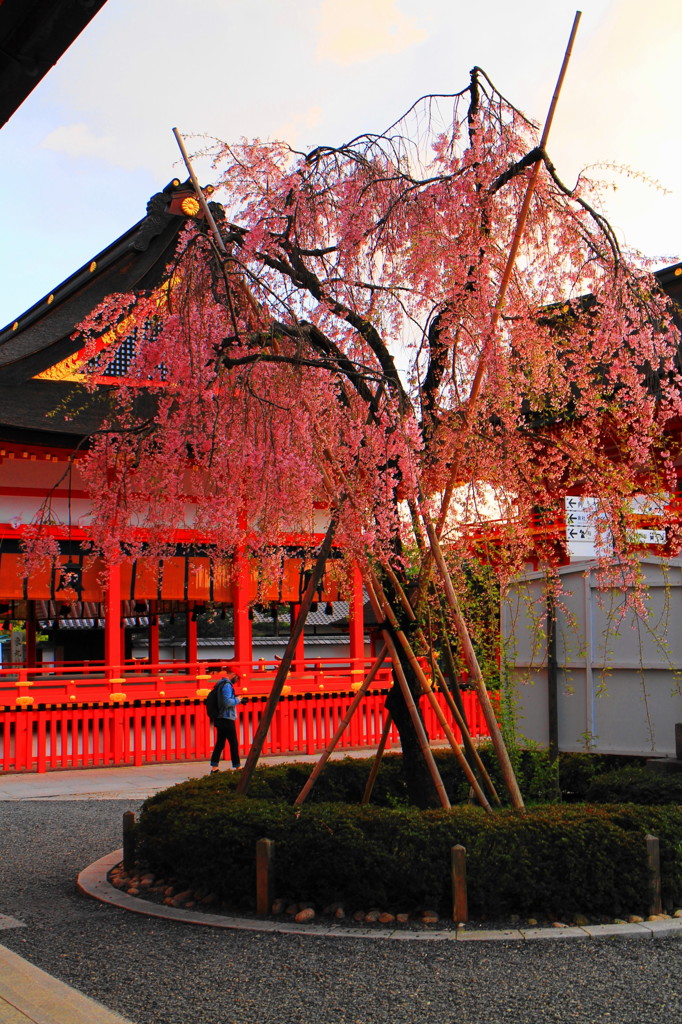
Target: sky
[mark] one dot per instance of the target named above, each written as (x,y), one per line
(84,153)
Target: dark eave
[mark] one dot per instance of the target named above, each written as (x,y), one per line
(33,36)
(61,412)
(670,280)
(44,335)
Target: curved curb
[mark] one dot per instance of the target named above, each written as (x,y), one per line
(92,881)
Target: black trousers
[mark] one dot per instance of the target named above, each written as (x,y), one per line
(226,729)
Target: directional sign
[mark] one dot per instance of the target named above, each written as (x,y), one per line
(649,504)
(578,519)
(582,539)
(581,533)
(577,503)
(649,537)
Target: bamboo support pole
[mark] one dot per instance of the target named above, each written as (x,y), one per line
(341,728)
(428,690)
(467,739)
(376,764)
(210,220)
(283,670)
(422,738)
(475,673)
(506,278)
(456,711)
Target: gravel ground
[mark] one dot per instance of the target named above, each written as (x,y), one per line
(158,972)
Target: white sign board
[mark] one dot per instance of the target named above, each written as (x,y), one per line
(582,540)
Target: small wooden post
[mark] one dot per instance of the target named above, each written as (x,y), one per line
(653,854)
(265,862)
(460,912)
(129,841)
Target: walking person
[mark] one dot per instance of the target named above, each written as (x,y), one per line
(225,722)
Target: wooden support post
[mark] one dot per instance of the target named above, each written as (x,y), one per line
(653,855)
(298,660)
(113,645)
(31,654)
(265,864)
(552,681)
(153,634)
(129,842)
(422,738)
(285,664)
(456,710)
(191,636)
(356,625)
(367,795)
(460,910)
(243,637)
(341,728)
(426,687)
(475,674)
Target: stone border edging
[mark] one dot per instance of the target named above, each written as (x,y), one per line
(92,881)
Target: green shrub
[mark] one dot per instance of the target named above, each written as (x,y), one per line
(552,860)
(636,784)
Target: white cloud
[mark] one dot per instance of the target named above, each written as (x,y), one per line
(296,131)
(78,141)
(350,31)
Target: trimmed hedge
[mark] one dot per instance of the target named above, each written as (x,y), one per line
(551,861)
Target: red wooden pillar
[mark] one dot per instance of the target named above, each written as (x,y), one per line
(243,632)
(31,657)
(298,661)
(113,632)
(153,635)
(356,626)
(191,648)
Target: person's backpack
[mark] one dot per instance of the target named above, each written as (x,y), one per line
(212,701)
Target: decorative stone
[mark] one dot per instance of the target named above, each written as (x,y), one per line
(339,913)
(386,918)
(430,917)
(580,921)
(402,918)
(182,897)
(658,917)
(189,904)
(133,890)
(372,916)
(169,890)
(208,900)
(678,913)
(293,909)
(635,919)
(359,915)
(532,922)
(147,881)
(558,924)
(278,906)
(307,914)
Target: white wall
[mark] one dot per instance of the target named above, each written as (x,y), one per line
(619,679)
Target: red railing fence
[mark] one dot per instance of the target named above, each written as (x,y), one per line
(41,738)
